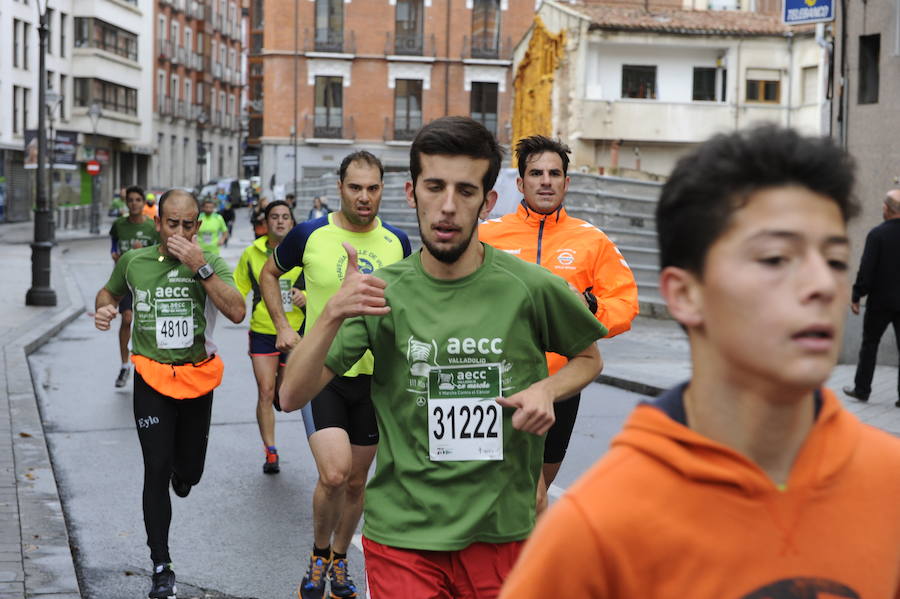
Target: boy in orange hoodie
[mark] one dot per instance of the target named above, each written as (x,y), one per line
(750,480)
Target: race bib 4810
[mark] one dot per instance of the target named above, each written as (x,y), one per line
(174,323)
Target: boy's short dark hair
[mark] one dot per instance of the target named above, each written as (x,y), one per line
(536,145)
(716,179)
(457,136)
(272,205)
(174,192)
(137,190)
(360,156)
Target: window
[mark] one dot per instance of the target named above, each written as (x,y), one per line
(110,96)
(199,92)
(162,28)
(26,34)
(63,91)
(26,102)
(407,108)
(408,27)
(173,86)
(63,24)
(256,15)
(256,43)
(639,81)
(810,85)
(95,33)
(16,43)
(328,120)
(869,55)
(486,29)
(188,39)
(483,104)
(330,25)
(16,109)
(50,79)
(49,31)
(176,34)
(763,85)
(188,92)
(704,84)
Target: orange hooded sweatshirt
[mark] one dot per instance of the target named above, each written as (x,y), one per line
(668,513)
(577,251)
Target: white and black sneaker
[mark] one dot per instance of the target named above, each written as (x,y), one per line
(163,586)
(122,379)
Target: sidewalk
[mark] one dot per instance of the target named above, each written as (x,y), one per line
(35,554)
(35,557)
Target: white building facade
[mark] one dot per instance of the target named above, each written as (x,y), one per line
(635,89)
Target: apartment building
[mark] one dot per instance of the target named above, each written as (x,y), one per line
(93,59)
(634,88)
(197,87)
(366,74)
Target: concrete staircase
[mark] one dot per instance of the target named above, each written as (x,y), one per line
(622,208)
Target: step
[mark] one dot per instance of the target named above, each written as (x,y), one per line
(640,255)
(631,237)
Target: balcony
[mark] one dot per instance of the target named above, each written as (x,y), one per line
(178,5)
(217,22)
(667,122)
(394,133)
(181,55)
(487,47)
(165,49)
(196,9)
(217,118)
(181,109)
(217,70)
(228,122)
(236,34)
(164,105)
(329,40)
(324,127)
(409,45)
(196,109)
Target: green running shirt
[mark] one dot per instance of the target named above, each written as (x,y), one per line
(173,318)
(127,235)
(210,231)
(448,339)
(246,278)
(315,245)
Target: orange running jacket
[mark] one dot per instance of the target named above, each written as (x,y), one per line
(577,251)
(669,513)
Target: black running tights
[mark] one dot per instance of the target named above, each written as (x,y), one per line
(173,435)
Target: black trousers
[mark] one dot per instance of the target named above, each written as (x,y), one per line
(875,321)
(173,435)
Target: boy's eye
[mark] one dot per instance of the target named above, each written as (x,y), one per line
(773,260)
(839,265)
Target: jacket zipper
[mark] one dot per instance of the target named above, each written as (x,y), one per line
(540,239)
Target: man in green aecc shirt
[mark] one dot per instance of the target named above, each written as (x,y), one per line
(460,387)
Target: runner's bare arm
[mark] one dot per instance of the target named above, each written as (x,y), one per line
(287,338)
(306,373)
(226,298)
(105,308)
(534,405)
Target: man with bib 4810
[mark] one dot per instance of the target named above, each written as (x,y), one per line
(177,289)
(460,387)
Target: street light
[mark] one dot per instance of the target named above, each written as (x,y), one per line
(95,113)
(52,100)
(40,293)
(202,119)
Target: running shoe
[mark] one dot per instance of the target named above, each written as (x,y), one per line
(181,488)
(163,586)
(313,584)
(342,586)
(122,379)
(270,466)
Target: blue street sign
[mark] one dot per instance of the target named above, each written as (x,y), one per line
(797,12)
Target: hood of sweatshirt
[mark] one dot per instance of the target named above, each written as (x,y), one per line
(659,431)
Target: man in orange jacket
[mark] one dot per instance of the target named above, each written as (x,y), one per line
(541,231)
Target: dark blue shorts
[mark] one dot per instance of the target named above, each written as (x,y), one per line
(126,302)
(345,402)
(262,344)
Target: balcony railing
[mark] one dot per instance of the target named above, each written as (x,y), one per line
(165,105)
(409,44)
(217,70)
(487,47)
(331,128)
(236,34)
(196,9)
(217,118)
(228,122)
(178,5)
(181,55)
(217,21)
(196,109)
(181,110)
(165,48)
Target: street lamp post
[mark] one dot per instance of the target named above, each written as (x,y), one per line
(95,112)
(40,293)
(52,100)
(201,148)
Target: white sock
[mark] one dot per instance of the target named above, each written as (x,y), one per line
(126,366)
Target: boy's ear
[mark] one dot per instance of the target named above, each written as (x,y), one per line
(681,291)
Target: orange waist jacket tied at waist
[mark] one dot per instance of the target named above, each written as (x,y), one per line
(181,381)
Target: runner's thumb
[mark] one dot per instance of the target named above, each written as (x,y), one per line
(352,265)
(507,402)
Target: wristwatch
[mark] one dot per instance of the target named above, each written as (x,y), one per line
(591,300)
(205,271)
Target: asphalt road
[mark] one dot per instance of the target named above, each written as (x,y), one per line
(240,533)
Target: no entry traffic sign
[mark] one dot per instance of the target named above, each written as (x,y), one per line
(92,168)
